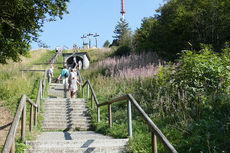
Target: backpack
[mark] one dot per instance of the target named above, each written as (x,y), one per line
(66,75)
(48,72)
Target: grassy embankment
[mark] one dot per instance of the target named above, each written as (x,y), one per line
(14,83)
(189,102)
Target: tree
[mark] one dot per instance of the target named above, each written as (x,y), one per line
(122,32)
(20,22)
(106,44)
(185,24)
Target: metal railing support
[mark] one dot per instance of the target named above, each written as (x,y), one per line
(129,111)
(98,114)
(110,115)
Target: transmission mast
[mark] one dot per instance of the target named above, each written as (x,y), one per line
(122,10)
(96,35)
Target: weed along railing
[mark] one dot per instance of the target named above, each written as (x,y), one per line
(155,131)
(9,145)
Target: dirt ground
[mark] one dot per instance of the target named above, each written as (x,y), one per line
(5,123)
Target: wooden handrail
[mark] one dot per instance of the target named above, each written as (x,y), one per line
(114,101)
(21,112)
(86,82)
(152,126)
(11,135)
(156,132)
(31,102)
(9,145)
(93,93)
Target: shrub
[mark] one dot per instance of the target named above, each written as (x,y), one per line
(122,50)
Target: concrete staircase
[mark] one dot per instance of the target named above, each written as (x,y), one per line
(65,114)
(70,116)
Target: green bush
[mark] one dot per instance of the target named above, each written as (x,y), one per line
(122,50)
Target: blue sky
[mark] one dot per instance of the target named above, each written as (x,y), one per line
(94,16)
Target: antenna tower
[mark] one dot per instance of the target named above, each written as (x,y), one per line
(122,10)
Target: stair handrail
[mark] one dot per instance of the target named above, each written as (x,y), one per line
(9,145)
(155,131)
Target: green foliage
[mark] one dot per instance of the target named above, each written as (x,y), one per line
(106,44)
(122,50)
(20,147)
(121,28)
(21,21)
(184,25)
(204,70)
(188,101)
(123,35)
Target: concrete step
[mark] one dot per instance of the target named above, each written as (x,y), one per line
(81,143)
(79,150)
(65,110)
(81,125)
(64,105)
(69,127)
(65,113)
(58,115)
(63,121)
(45,136)
(64,100)
(64,118)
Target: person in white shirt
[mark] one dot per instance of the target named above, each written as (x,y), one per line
(50,74)
(73,79)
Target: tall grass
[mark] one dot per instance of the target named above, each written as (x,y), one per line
(133,66)
(14,83)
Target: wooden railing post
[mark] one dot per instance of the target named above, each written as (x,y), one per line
(41,90)
(129,111)
(12,150)
(98,114)
(154,143)
(110,115)
(23,124)
(31,117)
(92,104)
(88,90)
(35,116)
(82,92)
(44,83)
